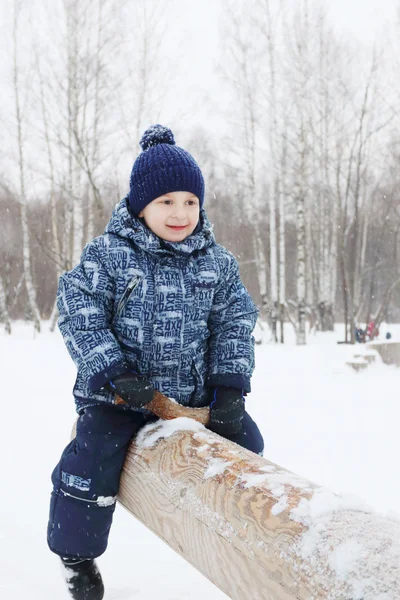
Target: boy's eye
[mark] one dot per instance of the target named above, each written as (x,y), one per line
(191,202)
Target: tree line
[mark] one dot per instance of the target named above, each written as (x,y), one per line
(301,177)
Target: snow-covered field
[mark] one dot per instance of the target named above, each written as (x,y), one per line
(319,419)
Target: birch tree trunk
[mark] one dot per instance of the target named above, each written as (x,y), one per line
(245,80)
(282,195)
(26,251)
(282,265)
(96,118)
(84,68)
(273,262)
(332,268)
(3,308)
(274,181)
(302,176)
(74,101)
(58,259)
(250,153)
(69,185)
(301,269)
(328,63)
(311,272)
(260,264)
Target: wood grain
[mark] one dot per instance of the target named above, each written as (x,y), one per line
(233,533)
(220,507)
(167,409)
(213,523)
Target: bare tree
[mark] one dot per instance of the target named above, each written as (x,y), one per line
(29,284)
(148,76)
(268,21)
(242,75)
(4,316)
(305,179)
(274,184)
(301,78)
(353,186)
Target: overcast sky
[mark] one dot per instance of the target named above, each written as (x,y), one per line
(363,21)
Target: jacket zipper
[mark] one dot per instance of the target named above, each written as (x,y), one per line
(132,285)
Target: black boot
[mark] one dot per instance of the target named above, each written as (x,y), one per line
(83,579)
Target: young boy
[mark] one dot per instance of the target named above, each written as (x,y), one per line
(156,299)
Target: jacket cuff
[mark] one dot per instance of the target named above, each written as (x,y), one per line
(240,382)
(100,379)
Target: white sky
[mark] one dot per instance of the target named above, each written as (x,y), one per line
(363,19)
(359,20)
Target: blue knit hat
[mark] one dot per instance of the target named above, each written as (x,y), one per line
(161,168)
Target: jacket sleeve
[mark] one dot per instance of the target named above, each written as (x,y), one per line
(232,319)
(85,303)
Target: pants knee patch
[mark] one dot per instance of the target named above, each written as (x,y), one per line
(78,528)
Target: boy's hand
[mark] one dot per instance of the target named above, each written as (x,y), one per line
(226,410)
(134,390)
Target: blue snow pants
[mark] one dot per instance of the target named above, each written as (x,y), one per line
(86,480)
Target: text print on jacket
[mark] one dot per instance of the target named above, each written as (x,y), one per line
(175,312)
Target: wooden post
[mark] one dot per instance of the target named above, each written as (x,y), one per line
(257,531)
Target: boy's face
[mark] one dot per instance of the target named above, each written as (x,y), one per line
(173,216)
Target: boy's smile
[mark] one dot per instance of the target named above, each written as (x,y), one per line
(177,227)
(173,216)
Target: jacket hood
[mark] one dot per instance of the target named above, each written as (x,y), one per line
(123,224)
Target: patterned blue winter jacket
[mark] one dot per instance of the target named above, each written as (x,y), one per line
(177,313)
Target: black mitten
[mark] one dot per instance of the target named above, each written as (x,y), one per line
(133,389)
(226,410)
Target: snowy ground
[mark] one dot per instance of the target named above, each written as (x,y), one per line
(319,419)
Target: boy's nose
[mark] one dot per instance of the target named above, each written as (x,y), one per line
(179,213)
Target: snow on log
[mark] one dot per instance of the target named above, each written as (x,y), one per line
(389,351)
(253,528)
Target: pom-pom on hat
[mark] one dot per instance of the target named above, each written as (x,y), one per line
(161,168)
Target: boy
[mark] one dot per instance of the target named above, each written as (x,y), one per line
(153,299)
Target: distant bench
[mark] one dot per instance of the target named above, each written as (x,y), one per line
(389,351)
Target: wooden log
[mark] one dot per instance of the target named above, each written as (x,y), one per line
(254,529)
(389,351)
(168,409)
